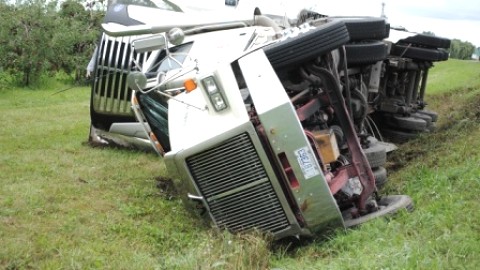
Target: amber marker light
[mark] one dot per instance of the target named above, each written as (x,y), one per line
(189,85)
(134,100)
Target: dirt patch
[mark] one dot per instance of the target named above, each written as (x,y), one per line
(166,187)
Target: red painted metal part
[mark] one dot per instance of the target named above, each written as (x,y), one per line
(341,175)
(282,177)
(339,179)
(287,168)
(359,161)
(308,109)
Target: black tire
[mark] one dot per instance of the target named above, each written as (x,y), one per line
(424,117)
(366,53)
(361,28)
(417,53)
(375,153)
(427,41)
(443,54)
(388,205)
(433,115)
(408,123)
(307,46)
(430,124)
(380,174)
(398,136)
(387,30)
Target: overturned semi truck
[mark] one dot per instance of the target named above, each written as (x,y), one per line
(263,123)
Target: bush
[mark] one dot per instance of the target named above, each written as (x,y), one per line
(6,80)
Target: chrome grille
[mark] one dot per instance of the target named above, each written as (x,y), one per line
(236,187)
(111,95)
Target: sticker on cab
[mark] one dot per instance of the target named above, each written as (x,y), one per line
(307,162)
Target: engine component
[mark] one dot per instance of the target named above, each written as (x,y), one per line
(328,145)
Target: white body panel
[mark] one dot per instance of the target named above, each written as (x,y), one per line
(190,18)
(212,53)
(194,125)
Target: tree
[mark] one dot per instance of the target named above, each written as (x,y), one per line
(461,49)
(77,31)
(42,37)
(27,39)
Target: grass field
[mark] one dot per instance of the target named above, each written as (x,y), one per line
(65,205)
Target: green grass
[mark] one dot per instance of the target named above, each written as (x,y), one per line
(452,75)
(65,205)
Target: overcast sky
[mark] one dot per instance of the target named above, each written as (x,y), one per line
(447,18)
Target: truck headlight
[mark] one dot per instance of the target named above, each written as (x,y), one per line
(213,92)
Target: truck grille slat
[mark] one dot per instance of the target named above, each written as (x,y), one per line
(251,209)
(235,179)
(212,153)
(259,224)
(235,185)
(229,167)
(271,224)
(215,181)
(111,94)
(228,162)
(219,189)
(231,201)
(239,210)
(256,170)
(226,153)
(114,76)
(251,215)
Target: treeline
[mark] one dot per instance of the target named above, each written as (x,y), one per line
(461,49)
(40,37)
